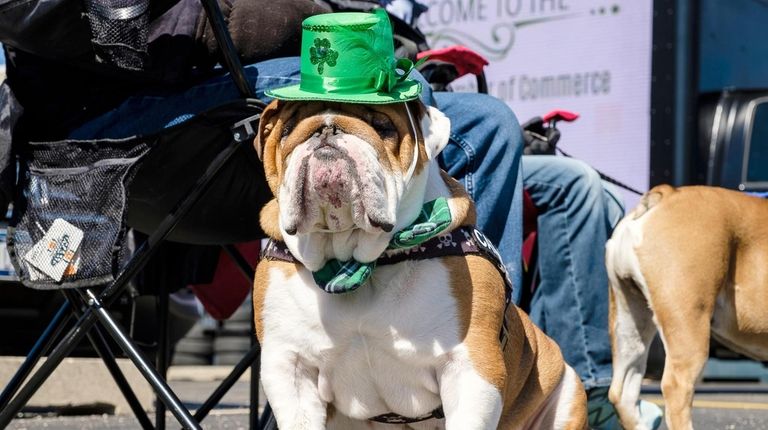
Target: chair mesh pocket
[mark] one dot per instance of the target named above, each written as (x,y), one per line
(84,184)
(120,30)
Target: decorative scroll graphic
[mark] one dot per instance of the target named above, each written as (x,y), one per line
(502,36)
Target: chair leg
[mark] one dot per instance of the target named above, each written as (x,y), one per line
(102,347)
(99,343)
(240,261)
(62,350)
(252,356)
(161,358)
(268,421)
(43,344)
(254,384)
(162,389)
(248,272)
(254,388)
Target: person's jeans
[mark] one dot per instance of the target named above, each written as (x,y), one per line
(147,113)
(577,213)
(483,153)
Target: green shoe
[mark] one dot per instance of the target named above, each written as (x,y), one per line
(602,415)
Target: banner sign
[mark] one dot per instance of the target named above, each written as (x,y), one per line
(592,57)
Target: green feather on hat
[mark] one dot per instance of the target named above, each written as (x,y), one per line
(349,57)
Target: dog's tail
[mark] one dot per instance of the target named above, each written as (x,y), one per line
(651,199)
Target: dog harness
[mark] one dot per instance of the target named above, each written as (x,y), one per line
(462,241)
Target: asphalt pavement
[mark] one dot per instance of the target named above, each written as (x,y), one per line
(716,406)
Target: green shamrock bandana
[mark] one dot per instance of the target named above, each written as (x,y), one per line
(342,277)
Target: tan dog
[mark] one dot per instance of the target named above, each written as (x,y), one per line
(418,336)
(689,262)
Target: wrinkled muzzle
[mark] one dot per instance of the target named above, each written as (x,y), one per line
(334,182)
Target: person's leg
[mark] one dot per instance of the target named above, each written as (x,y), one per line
(614,205)
(484,154)
(571,301)
(158,110)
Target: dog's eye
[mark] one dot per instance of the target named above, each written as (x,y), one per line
(383,125)
(288,127)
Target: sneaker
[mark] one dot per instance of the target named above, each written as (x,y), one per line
(602,415)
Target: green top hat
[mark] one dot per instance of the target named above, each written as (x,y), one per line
(350,57)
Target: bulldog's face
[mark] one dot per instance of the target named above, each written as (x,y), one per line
(348,173)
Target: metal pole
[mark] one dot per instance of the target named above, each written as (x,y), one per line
(242,264)
(63,349)
(268,421)
(231,59)
(99,343)
(150,374)
(161,359)
(686,87)
(240,368)
(254,383)
(248,272)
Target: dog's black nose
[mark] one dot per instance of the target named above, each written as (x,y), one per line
(327,131)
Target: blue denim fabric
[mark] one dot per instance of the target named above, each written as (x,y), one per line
(577,213)
(150,112)
(484,154)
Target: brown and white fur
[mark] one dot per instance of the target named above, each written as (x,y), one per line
(687,262)
(418,335)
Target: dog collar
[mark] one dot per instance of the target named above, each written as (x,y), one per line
(399,419)
(345,276)
(424,239)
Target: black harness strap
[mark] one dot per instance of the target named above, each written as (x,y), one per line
(459,242)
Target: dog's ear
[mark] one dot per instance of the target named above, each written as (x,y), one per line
(269,218)
(436,129)
(266,125)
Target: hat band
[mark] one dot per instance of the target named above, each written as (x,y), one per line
(341,85)
(385,80)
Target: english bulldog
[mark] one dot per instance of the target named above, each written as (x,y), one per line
(688,262)
(430,343)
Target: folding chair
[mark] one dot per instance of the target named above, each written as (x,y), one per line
(85,183)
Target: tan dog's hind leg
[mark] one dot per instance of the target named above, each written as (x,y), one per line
(683,283)
(631,330)
(685,329)
(683,290)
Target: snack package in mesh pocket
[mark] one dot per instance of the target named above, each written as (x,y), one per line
(68,227)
